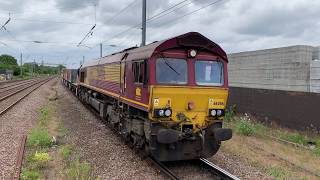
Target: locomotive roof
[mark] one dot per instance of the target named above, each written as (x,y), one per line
(191,40)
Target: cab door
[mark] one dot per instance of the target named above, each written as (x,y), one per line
(135,83)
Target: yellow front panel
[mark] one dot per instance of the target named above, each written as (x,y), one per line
(203,99)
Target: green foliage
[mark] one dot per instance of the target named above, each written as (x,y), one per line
(278,173)
(44,115)
(8,60)
(39,138)
(245,127)
(36,69)
(260,129)
(65,152)
(230,113)
(79,170)
(316,151)
(317,141)
(292,137)
(38,160)
(41,157)
(29,174)
(297,138)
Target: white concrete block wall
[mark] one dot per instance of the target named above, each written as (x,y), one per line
(315,76)
(286,68)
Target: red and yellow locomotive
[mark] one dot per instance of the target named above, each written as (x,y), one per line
(168,97)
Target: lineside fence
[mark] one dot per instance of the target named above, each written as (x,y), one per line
(296,110)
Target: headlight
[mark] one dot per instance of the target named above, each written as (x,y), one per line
(161,112)
(167,112)
(219,112)
(213,112)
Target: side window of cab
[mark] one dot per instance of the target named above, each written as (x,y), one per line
(138,68)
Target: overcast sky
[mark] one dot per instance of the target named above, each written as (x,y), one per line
(237,25)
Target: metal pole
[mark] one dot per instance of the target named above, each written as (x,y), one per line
(21,65)
(82,59)
(34,67)
(144,22)
(101,50)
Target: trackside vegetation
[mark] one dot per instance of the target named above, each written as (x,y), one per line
(47,151)
(244,125)
(278,152)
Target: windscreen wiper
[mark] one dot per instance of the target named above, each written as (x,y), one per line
(165,61)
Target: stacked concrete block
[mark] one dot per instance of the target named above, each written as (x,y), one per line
(316,53)
(315,76)
(286,68)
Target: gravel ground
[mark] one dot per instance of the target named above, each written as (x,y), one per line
(108,155)
(111,158)
(15,123)
(237,167)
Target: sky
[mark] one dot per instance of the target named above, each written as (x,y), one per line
(49,31)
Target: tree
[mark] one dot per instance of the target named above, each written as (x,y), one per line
(8,60)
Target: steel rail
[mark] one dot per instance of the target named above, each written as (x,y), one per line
(218,171)
(163,168)
(16,83)
(15,92)
(10,81)
(17,168)
(40,83)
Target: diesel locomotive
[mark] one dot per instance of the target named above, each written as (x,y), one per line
(167,98)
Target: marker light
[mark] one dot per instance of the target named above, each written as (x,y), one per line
(219,112)
(167,112)
(161,112)
(192,53)
(213,112)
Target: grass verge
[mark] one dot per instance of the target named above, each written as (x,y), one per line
(244,125)
(42,161)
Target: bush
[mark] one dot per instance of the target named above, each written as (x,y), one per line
(245,127)
(39,138)
(29,175)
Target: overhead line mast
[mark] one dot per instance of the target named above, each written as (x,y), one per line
(144,22)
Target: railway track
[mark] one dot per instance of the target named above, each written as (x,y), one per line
(12,93)
(218,172)
(10,84)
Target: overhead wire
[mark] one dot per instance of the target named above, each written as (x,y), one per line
(118,13)
(192,12)
(92,30)
(87,35)
(49,21)
(155,16)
